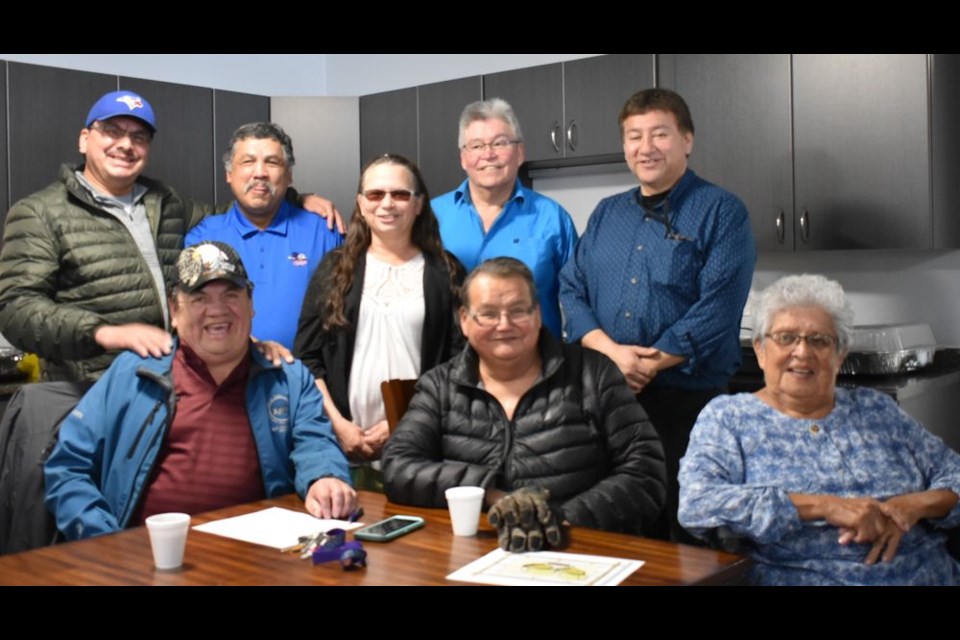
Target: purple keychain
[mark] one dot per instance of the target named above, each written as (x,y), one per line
(332,545)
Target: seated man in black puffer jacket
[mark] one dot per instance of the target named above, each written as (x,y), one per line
(550,430)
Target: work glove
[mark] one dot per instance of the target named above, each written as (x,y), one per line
(525,521)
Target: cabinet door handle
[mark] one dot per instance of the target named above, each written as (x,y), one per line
(553,136)
(804,226)
(781,231)
(572,135)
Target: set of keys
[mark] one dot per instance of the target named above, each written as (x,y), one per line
(325,546)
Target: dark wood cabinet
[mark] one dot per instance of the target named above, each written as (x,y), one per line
(740,105)
(230,110)
(847,151)
(47,108)
(594,90)
(570,109)
(388,124)
(862,151)
(181,154)
(440,106)
(536,95)
(420,123)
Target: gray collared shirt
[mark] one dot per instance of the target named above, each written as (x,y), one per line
(132,212)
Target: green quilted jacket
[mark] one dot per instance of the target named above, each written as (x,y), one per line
(67,267)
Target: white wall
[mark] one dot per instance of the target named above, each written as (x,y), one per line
(359,74)
(295,74)
(884,286)
(325,134)
(274,74)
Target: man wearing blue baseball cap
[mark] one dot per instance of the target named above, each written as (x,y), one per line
(84,260)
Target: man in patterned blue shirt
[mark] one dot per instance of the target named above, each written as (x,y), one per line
(660,277)
(492,215)
(280,244)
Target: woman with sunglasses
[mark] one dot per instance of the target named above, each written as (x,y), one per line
(827,485)
(380,307)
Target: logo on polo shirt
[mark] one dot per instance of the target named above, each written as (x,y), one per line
(278,410)
(132,102)
(298,258)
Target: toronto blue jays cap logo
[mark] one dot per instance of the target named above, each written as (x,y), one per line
(133,102)
(122,103)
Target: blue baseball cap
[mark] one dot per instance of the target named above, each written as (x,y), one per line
(122,103)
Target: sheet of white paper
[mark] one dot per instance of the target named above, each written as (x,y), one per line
(546,568)
(273,527)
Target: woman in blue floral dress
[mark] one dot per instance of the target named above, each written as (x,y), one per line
(826,485)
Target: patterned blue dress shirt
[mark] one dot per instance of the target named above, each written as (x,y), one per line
(679,287)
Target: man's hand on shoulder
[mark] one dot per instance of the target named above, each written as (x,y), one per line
(273,351)
(143,339)
(330,498)
(325,209)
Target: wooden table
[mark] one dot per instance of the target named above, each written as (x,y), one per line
(423,557)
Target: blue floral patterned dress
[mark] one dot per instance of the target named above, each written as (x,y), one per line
(745,457)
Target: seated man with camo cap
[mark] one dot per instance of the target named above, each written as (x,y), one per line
(210,425)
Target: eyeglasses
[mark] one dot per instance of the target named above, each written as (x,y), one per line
(500,145)
(491,317)
(139,137)
(816,341)
(397,195)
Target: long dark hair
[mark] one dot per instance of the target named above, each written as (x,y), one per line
(425,234)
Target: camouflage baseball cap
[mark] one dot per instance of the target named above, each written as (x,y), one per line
(206,261)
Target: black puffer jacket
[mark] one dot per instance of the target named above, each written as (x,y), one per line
(68,267)
(578,432)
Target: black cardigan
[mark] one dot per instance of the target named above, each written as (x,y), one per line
(329,355)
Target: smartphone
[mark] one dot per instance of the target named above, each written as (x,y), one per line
(388,529)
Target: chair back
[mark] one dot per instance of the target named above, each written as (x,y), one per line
(396,397)
(28,432)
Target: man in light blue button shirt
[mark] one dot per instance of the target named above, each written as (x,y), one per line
(491,214)
(280,244)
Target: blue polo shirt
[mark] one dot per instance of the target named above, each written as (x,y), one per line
(531,228)
(279,260)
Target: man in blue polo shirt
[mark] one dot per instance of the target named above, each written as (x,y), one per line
(280,244)
(492,215)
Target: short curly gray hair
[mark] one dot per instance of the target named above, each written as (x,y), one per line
(495,108)
(807,290)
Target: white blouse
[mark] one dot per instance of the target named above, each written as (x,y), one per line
(389,332)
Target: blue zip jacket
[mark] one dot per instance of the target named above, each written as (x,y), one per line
(109,444)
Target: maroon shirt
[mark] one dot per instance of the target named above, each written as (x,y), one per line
(208,459)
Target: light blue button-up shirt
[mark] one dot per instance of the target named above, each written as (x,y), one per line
(531,228)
